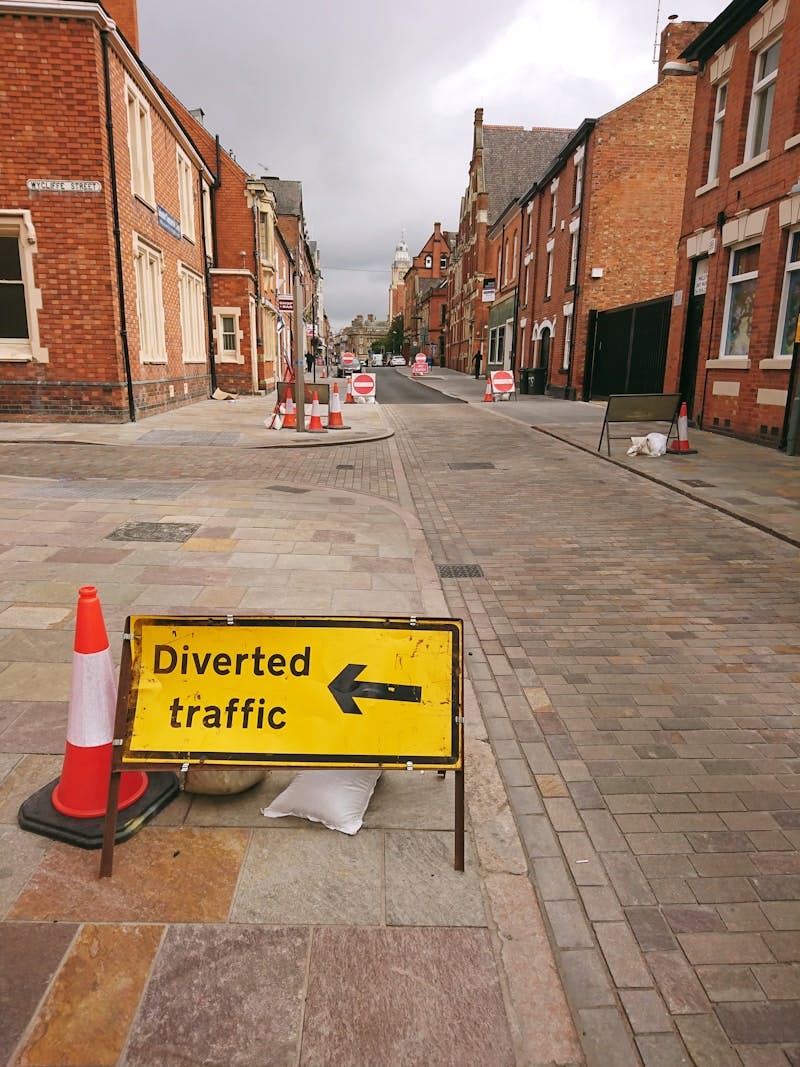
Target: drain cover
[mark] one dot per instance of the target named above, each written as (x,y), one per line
(154,531)
(286,489)
(459,570)
(471,466)
(696,483)
(345,466)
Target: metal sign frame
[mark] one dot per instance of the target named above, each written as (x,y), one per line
(346,690)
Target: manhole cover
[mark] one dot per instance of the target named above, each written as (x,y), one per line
(459,570)
(175,532)
(471,466)
(286,489)
(345,466)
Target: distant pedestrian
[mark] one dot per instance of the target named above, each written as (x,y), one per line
(309,362)
(476,363)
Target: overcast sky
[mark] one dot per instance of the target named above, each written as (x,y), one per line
(370,103)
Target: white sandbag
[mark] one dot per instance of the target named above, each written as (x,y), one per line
(655,444)
(337,799)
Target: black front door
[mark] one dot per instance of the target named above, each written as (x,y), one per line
(691,337)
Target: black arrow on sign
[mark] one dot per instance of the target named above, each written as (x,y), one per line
(345,687)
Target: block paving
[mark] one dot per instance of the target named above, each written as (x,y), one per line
(632,662)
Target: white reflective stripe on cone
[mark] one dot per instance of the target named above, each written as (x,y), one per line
(93,701)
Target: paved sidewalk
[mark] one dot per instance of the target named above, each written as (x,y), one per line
(756,484)
(225,938)
(632,669)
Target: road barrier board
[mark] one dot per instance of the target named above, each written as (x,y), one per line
(294,691)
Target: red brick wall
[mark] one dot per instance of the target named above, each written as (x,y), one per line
(53,116)
(636,172)
(763,186)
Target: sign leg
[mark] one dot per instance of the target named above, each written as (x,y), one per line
(110,825)
(458,863)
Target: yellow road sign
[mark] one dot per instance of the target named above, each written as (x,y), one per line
(318,691)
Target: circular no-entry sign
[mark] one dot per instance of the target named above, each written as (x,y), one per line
(348,359)
(363,384)
(503,381)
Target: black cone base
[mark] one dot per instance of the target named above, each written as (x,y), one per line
(38,815)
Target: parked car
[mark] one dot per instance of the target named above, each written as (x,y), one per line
(397,361)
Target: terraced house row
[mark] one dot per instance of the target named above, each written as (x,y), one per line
(140,266)
(656,247)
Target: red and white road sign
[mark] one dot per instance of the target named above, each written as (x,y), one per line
(502,381)
(420,358)
(363,384)
(349,359)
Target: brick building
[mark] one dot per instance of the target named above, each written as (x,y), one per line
(102,236)
(305,257)
(737,286)
(504,162)
(242,257)
(598,232)
(425,295)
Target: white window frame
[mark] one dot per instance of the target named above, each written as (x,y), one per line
(737,280)
(208,232)
(761,102)
(442,262)
(140,143)
(578,160)
(149,269)
(530,223)
(19,224)
(791,279)
(428,262)
(566,355)
(229,356)
(548,289)
(185,194)
(193,319)
(527,284)
(553,203)
(574,230)
(720,106)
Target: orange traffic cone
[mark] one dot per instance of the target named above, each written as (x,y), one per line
(290,415)
(349,398)
(81,793)
(680,444)
(488,396)
(315,423)
(335,411)
(83,787)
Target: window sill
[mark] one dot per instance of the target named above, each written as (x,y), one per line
(194,359)
(14,355)
(728,363)
(756,161)
(707,188)
(793,142)
(145,203)
(776,363)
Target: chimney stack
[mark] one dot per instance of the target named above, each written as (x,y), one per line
(126,16)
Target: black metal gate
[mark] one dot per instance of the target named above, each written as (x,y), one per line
(628,349)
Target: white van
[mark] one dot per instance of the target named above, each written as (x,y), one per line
(377,359)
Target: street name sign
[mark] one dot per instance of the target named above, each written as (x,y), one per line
(289,691)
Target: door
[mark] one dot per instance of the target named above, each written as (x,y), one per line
(691,337)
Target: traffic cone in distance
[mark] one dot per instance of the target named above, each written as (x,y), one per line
(72,808)
(315,423)
(335,411)
(290,415)
(349,398)
(488,396)
(680,445)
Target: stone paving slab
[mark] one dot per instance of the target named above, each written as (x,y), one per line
(214,865)
(628,634)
